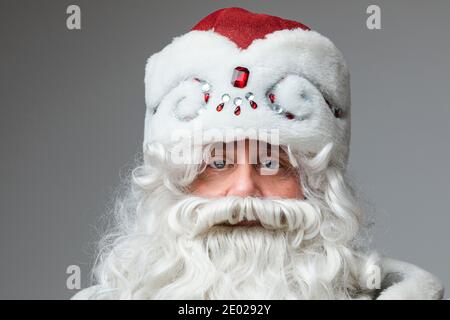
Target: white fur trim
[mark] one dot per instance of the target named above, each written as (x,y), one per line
(307,61)
(404,281)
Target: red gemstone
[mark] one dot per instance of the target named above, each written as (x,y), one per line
(240,77)
(253,104)
(237,111)
(206,96)
(219,107)
(289,115)
(272,97)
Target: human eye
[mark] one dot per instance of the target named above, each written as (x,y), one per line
(218,164)
(271,164)
(268,166)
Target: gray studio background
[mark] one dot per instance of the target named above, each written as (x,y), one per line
(72,116)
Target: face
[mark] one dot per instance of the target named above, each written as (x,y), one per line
(250,170)
(231,241)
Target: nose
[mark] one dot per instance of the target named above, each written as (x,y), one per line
(244,182)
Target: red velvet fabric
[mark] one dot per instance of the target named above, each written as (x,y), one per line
(242,26)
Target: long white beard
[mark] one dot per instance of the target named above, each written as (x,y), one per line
(178,249)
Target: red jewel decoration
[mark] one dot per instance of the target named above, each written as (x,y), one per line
(240,77)
(253,104)
(237,111)
(220,107)
(272,97)
(206,96)
(289,115)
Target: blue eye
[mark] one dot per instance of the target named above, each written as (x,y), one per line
(218,164)
(270,164)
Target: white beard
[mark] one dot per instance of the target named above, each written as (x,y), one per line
(176,249)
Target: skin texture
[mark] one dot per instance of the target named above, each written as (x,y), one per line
(246,173)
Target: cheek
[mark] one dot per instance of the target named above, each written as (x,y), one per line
(285,187)
(205,190)
(211,186)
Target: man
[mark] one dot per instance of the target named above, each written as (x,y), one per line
(242,191)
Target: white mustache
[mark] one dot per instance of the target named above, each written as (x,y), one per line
(195,215)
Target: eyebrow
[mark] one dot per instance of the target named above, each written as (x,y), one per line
(267,148)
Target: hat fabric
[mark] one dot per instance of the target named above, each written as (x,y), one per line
(238,69)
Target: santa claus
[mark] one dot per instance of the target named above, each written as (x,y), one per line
(242,193)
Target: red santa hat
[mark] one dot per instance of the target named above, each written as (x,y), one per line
(238,69)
